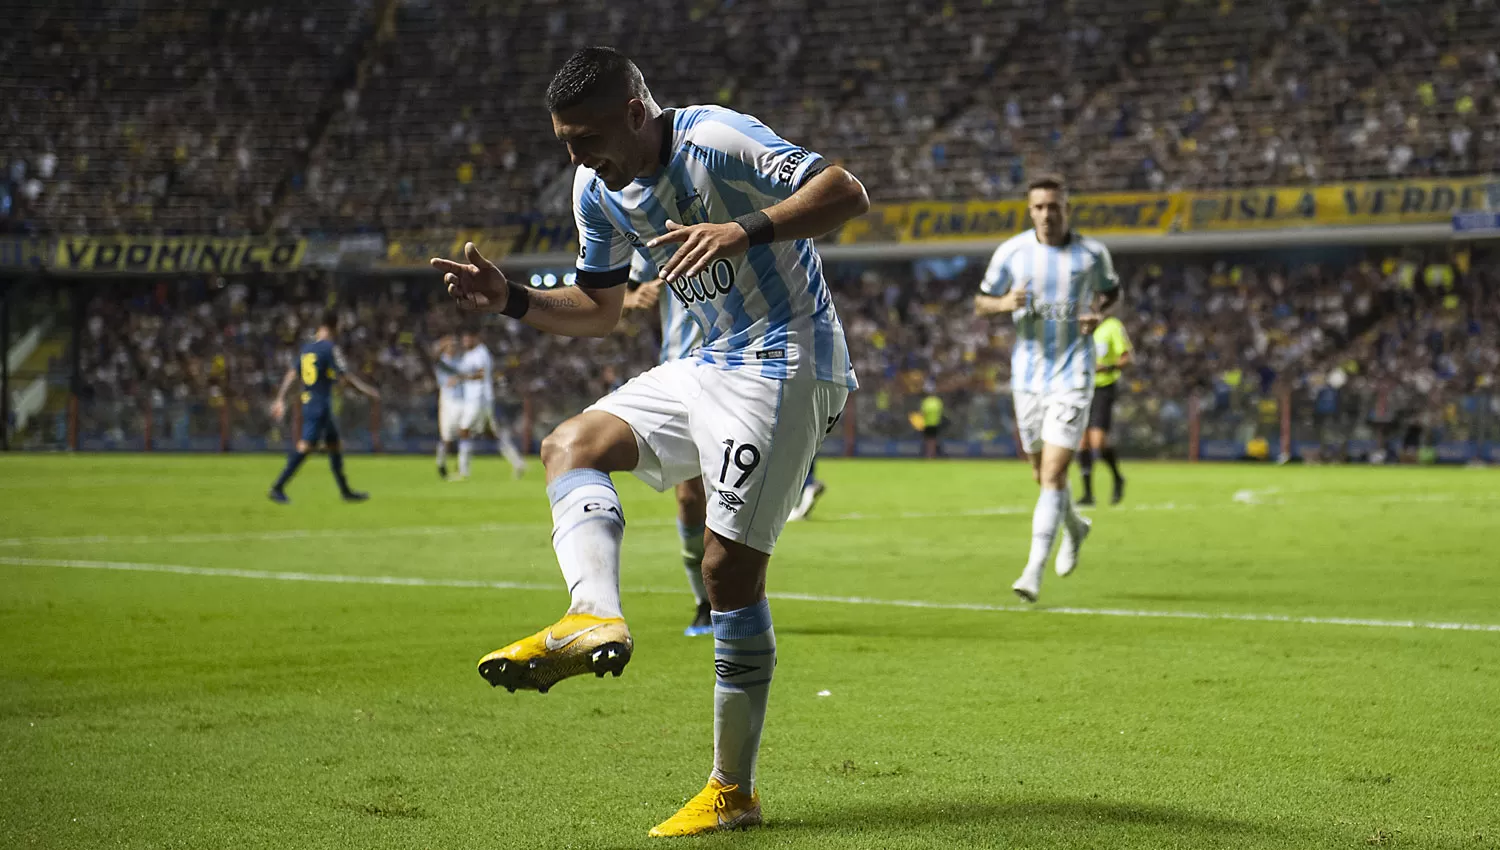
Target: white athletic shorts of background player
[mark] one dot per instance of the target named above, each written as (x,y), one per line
(1060,417)
(473,415)
(749,436)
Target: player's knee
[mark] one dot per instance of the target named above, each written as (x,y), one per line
(733,574)
(303,447)
(692,501)
(590,441)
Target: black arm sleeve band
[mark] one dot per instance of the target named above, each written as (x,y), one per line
(758,227)
(813,171)
(603,280)
(517,302)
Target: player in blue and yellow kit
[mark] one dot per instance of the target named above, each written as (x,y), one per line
(320,365)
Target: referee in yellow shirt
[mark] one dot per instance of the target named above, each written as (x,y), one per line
(1112,353)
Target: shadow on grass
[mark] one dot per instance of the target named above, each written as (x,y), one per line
(1068,815)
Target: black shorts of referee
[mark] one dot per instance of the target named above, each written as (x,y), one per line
(1102,411)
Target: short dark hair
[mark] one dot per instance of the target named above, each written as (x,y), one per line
(329,320)
(1047,181)
(593,73)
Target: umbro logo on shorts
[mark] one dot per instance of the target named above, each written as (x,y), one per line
(728,669)
(730,500)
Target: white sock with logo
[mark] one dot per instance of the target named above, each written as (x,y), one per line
(465,450)
(1050,507)
(744,660)
(587,526)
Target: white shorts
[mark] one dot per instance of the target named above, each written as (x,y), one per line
(474,415)
(751,438)
(448,415)
(1059,418)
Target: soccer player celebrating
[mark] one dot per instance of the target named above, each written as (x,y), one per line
(1112,351)
(476,373)
(450,400)
(1047,279)
(679,336)
(320,365)
(727,211)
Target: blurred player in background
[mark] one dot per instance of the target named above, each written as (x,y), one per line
(1047,279)
(727,211)
(320,365)
(679,336)
(1112,352)
(812,491)
(450,399)
(476,373)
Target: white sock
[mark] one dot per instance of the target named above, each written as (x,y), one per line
(442,453)
(1072,519)
(1050,507)
(587,525)
(509,450)
(465,450)
(744,660)
(692,559)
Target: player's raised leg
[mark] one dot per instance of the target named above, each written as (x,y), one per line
(692,511)
(587,527)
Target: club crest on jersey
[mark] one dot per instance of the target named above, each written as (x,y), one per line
(730,501)
(712,282)
(692,209)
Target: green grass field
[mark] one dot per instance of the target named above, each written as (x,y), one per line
(1248,657)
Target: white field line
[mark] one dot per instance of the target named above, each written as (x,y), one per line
(540,525)
(416,581)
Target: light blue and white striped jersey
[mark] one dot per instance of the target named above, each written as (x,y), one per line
(768,309)
(477,359)
(679,333)
(1051,352)
(448,367)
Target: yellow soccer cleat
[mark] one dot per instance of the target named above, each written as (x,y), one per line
(717,807)
(574,645)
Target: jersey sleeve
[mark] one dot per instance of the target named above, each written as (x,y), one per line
(997,277)
(642,270)
(740,149)
(1105,279)
(603,252)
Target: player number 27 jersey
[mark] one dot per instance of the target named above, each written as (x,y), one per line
(767,310)
(1051,353)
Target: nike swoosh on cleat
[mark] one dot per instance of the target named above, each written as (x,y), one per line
(554,644)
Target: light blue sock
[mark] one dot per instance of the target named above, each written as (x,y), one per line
(744,660)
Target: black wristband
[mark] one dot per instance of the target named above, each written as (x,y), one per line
(758,227)
(518,301)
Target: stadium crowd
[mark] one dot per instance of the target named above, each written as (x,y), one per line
(1385,343)
(175,117)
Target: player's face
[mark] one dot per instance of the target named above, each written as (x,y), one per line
(606,138)
(1049,214)
(470,340)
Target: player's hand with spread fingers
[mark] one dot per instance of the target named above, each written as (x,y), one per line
(476,285)
(278,410)
(699,245)
(1089,322)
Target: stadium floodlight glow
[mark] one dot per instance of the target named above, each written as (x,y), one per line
(536,280)
(550,279)
(570,278)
